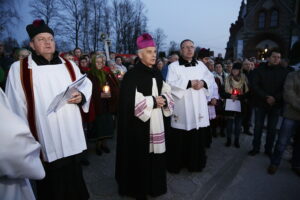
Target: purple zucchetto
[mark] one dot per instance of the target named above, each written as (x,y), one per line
(38,26)
(145,40)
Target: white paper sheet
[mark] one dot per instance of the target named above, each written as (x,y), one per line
(61,99)
(231,105)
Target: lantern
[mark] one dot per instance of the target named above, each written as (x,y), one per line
(106,88)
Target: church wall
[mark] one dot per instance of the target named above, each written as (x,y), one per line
(280,34)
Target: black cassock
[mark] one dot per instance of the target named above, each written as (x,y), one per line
(138,172)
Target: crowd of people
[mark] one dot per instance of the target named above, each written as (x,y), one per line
(165,113)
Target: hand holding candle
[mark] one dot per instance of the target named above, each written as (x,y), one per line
(235,92)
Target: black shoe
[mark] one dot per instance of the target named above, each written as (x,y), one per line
(237,144)
(84,162)
(228,143)
(98,151)
(253,152)
(105,149)
(272,169)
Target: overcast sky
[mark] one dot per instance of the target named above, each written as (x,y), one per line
(206,22)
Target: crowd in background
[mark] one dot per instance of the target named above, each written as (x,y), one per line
(240,74)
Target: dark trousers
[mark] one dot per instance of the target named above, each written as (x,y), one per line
(287,131)
(260,114)
(208,136)
(234,125)
(185,149)
(63,181)
(247,117)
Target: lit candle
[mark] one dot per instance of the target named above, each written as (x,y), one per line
(235,92)
(106,88)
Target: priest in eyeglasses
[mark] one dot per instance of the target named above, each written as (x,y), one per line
(190,82)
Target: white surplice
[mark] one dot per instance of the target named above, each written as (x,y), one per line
(19,156)
(144,111)
(60,133)
(190,110)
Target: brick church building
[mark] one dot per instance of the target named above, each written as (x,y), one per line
(263,25)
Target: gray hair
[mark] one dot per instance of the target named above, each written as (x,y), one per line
(111,62)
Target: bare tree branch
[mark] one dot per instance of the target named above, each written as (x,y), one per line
(8,15)
(72,18)
(173,47)
(45,9)
(128,22)
(159,38)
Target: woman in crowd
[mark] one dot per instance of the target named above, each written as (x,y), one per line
(84,65)
(236,89)
(220,73)
(159,64)
(87,57)
(220,121)
(247,69)
(105,97)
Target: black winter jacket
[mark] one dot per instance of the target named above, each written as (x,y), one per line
(268,81)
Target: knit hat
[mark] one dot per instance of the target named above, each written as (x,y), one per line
(145,40)
(38,26)
(237,66)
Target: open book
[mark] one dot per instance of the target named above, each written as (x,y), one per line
(61,99)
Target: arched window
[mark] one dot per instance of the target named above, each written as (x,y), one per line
(261,20)
(274,18)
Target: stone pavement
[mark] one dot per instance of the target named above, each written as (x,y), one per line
(230,174)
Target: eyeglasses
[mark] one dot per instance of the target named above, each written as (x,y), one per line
(44,40)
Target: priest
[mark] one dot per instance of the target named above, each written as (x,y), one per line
(31,86)
(190,81)
(19,155)
(144,99)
